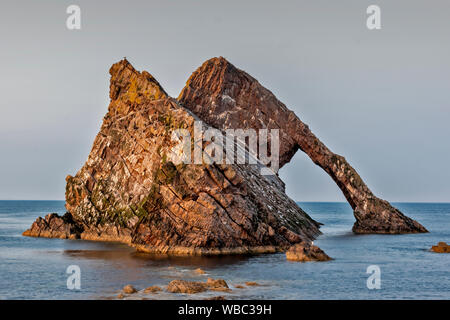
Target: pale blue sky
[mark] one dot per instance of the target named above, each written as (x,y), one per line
(380,98)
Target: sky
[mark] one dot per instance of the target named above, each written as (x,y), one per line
(380,98)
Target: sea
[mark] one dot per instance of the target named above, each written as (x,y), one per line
(363,266)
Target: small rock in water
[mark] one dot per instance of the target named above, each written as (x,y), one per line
(216,283)
(238,286)
(199,271)
(441,247)
(252,284)
(306,252)
(129,289)
(152,289)
(120,296)
(216,298)
(183,286)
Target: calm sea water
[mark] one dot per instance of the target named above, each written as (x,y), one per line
(35,268)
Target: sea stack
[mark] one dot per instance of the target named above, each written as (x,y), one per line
(130,190)
(134,189)
(228,98)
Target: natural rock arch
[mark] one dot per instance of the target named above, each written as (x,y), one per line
(228,98)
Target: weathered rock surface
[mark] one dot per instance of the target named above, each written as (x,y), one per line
(442,247)
(228,98)
(129,189)
(54,226)
(306,252)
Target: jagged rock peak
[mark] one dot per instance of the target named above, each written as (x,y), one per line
(226,97)
(130,85)
(211,71)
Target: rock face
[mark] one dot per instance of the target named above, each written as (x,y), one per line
(54,226)
(130,190)
(228,98)
(306,252)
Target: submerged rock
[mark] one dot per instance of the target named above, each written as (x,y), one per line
(129,289)
(199,271)
(153,289)
(132,190)
(228,98)
(216,284)
(216,298)
(306,252)
(442,247)
(252,284)
(183,286)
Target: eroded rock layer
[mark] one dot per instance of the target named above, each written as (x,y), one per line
(228,98)
(130,190)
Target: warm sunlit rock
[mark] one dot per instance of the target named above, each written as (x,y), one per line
(130,191)
(228,98)
(442,247)
(306,252)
